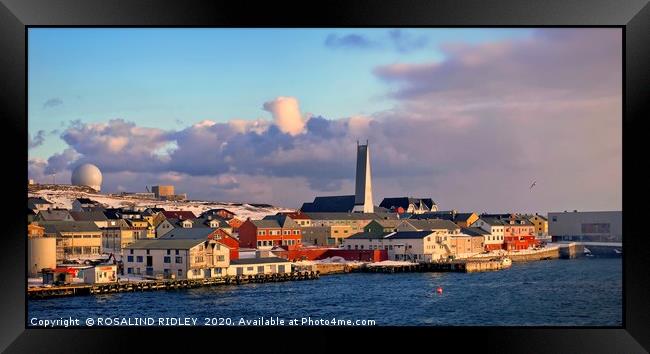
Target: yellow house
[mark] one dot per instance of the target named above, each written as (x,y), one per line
(541,224)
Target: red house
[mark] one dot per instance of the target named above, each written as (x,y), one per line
(519,234)
(278,230)
(223,237)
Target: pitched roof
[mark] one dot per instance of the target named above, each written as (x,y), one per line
(431,224)
(32,202)
(492,221)
(409,235)
(88,216)
(283,220)
(52,227)
(405,201)
(86,201)
(368,235)
(263,260)
(387,223)
(474,231)
(266,224)
(330,204)
(54,214)
(188,233)
(352,216)
(179,214)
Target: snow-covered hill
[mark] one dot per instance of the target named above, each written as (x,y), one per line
(62,196)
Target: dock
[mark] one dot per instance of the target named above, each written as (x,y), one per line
(121,287)
(463,266)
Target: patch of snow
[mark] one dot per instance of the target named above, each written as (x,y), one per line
(63,198)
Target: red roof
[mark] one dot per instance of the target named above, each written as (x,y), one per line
(179,214)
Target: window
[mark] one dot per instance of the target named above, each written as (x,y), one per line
(250,268)
(131,251)
(167,259)
(177,252)
(139,259)
(169,251)
(179,259)
(180,272)
(147,251)
(129,270)
(129,259)
(221,258)
(260,269)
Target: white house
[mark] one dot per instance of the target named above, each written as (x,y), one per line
(177,258)
(416,246)
(496,229)
(100,274)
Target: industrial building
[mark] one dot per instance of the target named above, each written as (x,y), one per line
(586,226)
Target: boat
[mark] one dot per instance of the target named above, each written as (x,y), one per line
(618,251)
(506,262)
(587,252)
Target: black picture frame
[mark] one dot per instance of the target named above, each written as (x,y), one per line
(632,16)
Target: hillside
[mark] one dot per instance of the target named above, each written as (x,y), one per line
(62,196)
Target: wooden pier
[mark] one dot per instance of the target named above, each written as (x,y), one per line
(120,287)
(463,266)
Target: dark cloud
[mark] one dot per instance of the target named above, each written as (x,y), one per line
(52,102)
(555,61)
(38,139)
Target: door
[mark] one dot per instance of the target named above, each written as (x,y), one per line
(281,269)
(149,261)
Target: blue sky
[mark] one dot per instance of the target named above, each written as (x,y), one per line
(468,117)
(169,78)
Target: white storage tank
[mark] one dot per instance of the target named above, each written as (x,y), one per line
(41,253)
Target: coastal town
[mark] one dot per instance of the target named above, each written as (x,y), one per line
(160,237)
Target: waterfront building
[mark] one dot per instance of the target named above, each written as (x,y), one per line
(101,274)
(183,258)
(254,266)
(74,238)
(589,226)
(409,205)
(326,235)
(541,224)
(416,246)
(265,234)
(466,244)
(519,234)
(495,229)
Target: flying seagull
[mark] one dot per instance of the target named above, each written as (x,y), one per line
(533,185)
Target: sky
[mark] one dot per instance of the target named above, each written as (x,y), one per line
(468,117)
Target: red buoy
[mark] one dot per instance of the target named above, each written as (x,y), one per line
(439,290)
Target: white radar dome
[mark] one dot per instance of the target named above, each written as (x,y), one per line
(87,175)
